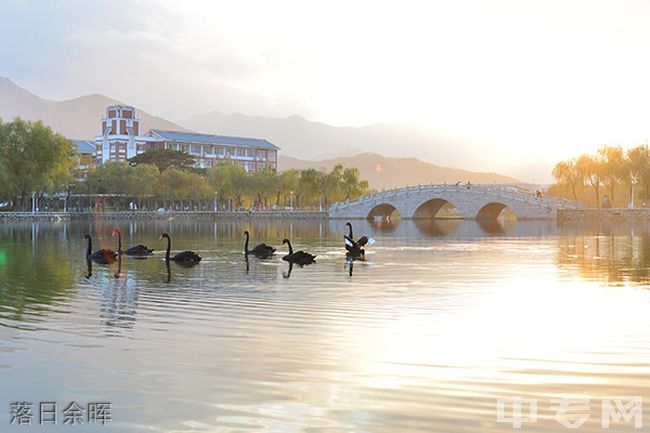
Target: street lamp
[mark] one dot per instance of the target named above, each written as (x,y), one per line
(291,195)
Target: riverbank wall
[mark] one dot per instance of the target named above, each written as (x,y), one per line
(618,215)
(145,216)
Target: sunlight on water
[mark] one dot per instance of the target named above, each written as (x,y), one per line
(443,318)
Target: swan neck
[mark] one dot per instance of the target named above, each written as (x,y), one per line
(89,249)
(290,247)
(169,247)
(246,244)
(350,226)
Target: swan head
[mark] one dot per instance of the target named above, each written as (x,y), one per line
(116,232)
(285,241)
(86,236)
(164,235)
(348,224)
(246,233)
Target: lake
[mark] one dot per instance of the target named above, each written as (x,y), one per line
(443,319)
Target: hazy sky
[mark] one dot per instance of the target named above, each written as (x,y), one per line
(538,80)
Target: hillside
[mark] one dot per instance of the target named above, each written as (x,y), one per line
(74,118)
(386,172)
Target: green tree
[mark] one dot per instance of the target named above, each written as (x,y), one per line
(229,181)
(288,186)
(112,177)
(180,185)
(351,184)
(33,159)
(309,185)
(164,159)
(143,181)
(264,184)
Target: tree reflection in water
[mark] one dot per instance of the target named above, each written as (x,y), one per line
(613,253)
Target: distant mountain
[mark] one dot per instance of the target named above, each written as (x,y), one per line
(311,140)
(315,143)
(386,172)
(74,118)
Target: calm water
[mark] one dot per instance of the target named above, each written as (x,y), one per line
(441,320)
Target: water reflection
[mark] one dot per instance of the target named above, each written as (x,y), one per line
(437,227)
(443,314)
(612,253)
(289,270)
(89,266)
(497,226)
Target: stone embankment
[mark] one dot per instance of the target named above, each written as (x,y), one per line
(618,215)
(139,215)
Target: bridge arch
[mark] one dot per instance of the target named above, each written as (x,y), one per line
(383,210)
(430,208)
(494,210)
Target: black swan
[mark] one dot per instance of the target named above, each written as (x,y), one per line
(261,250)
(356,249)
(138,250)
(185,257)
(299,257)
(104,255)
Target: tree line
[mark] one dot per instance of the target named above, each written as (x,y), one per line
(228,185)
(610,177)
(34,159)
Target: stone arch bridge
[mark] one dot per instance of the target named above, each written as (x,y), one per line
(471,201)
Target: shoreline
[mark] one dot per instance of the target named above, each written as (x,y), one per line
(154,215)
(611,215)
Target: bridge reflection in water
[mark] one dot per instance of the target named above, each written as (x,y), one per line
(449,228)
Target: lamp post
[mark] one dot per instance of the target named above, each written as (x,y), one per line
(291,196)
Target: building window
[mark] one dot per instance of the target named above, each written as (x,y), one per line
(240,151)
(250,153)
(230,151)
(196,149)
(261,155)
(273,155)
(209,150)
(218,150)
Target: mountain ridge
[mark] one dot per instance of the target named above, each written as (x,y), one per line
(76,118)
(384,172)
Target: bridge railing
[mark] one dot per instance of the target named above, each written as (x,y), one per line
(503,192)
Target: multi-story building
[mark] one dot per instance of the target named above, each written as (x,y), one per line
(121,140)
